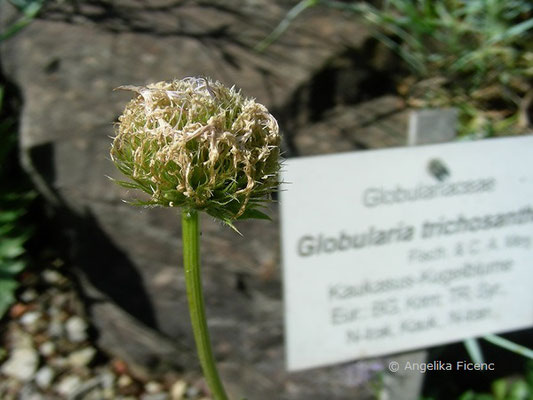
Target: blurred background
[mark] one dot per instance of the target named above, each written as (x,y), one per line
(91,290)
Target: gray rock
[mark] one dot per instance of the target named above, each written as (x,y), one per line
(376,123)
(128,259)
(21,364)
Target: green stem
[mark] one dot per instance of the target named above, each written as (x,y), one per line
(193,280)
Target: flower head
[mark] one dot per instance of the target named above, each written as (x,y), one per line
(198,144)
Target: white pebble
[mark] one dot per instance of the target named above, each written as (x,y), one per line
(30,319)
(154,396)
(51,276)
(76,329)
(47,349)
(68,385)
(28,295)
(82,357)
(55,329)
(44,377)
(152,387)
(22,364)
(108,379)
(124,380)
(178,390)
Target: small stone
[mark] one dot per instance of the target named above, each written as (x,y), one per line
(153,387)
(30,317)
(47,349)
(68,385)
(124,380)
(88,390)
(82,357)
(28,392)
(20,339)
(30,320)
(178,390)
(52,277)
(54,312)
(59,362)
(59,300)
(119,366)
(94,394)
(58,263)
(76,329)
(192,391)
(17,310)
(22,364)
(44,377)
(55,329)
(108,379)
(154,396)
(28,295)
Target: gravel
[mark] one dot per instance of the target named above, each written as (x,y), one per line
(50,355)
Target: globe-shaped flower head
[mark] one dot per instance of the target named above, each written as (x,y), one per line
(197,144)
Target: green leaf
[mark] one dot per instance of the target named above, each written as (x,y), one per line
(11,268)
(30,9)
(511,346)
(519,391)
(6,229)
(12,247)
(499,389)
(229,223)
(474,350)
(142,203)
(515,30)
(7,297)
(126,184)
(254,214)
(468,396)
(11,215)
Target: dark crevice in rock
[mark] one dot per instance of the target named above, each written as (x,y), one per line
(240,284)
(352,77)
(12,99)
(108,16)
(53,66)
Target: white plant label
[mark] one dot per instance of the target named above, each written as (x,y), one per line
(391,250)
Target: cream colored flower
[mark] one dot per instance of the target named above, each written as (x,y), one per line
(198,144)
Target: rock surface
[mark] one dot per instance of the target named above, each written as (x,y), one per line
(66,65)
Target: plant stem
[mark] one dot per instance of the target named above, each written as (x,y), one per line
(193,281)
